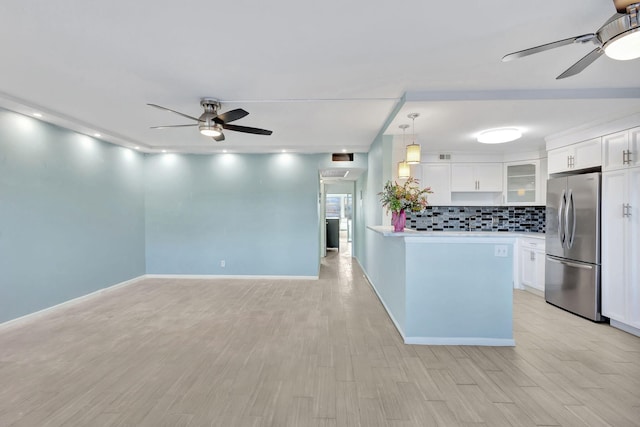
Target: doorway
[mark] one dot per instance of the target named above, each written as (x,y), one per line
(339,221)
(336,217)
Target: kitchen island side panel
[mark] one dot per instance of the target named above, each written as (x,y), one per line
(459,289)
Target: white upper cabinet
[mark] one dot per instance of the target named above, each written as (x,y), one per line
(437,176)
(522,182)
(621,150)
(472,177)
(583,155)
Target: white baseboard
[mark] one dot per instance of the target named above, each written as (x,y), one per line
(37,314)
(623,326)
(534,291)
(493,342)
(220,276)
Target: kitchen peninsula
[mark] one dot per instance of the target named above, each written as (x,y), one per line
(444,288)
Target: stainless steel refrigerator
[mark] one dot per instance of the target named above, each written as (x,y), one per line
(572,267)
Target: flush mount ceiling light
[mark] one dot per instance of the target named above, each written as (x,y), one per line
(404,171)
(499,136)
(413,149)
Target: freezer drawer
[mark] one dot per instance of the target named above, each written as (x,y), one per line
(573,286)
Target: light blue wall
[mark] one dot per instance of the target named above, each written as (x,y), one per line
(367,188)
(71,215)
(258,213)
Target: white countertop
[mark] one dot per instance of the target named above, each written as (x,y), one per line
(388,231)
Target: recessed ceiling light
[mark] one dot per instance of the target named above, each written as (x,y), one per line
(164,151)
(97,135)
(37,115)
(499,136)
(136,147)
(224,151)
(344,150)
(284,151)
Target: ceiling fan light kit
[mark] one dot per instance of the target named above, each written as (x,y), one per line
(618,38)
(624,47)
(499,136)
(208,130)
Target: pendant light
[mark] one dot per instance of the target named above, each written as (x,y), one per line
(404,171)
(413,149)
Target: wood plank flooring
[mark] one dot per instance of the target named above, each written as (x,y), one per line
(303,353)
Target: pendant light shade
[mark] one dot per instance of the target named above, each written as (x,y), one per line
(404,170)
(413,154)
(413,149)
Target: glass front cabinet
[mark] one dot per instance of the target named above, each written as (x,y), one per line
(521,186)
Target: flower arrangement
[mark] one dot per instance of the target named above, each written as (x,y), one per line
(406,197)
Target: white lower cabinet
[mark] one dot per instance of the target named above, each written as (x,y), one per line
(530,271)
(620,246)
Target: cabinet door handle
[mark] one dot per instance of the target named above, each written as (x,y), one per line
(568,162)
(624,157)
(533,256)
(478,185)
(628,210)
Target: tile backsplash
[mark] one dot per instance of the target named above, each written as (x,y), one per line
(479,218)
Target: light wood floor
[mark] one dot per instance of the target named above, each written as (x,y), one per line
(303,353)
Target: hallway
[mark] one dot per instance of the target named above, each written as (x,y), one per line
(217,352)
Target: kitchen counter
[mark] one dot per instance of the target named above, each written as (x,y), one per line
(445,288)
(388,231)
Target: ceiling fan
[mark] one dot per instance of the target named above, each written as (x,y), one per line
(618,38)
(211,123)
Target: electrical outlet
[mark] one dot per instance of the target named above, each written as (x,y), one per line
(501,250)
(222,263)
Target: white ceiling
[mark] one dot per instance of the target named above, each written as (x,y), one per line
(324,76)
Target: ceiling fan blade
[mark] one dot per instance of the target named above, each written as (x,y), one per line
(522,53)
(231,116)
(582,64)
(172,126)
(246,129)
(219,137)
(173,111)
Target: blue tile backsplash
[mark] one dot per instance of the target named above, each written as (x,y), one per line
(479,218)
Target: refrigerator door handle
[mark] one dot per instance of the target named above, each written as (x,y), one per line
(570,227)
(561,225)
(570,264)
